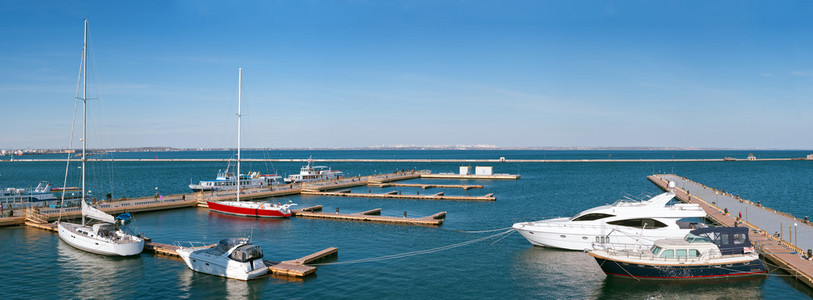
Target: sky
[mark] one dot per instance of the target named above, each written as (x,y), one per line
(705,74)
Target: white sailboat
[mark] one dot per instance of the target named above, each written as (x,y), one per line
(102,238)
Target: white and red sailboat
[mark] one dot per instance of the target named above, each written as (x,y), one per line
(249,209)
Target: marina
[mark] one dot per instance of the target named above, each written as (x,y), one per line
(300,232)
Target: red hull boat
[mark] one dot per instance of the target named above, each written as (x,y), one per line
(252,209)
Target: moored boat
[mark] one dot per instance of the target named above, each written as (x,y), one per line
(308,173)
(716,252)
(227,180)
(234,258)
(104,238)
(252,209)
(630,222)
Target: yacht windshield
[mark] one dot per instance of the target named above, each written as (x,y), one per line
(691,238)
(655,249)
(591,217)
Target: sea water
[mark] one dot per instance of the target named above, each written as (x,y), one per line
(36,264)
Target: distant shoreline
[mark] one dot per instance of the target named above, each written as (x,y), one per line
(385,148)
(418,160)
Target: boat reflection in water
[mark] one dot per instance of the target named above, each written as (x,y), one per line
(550,273)
(93,276)
(194,285)
(725,288)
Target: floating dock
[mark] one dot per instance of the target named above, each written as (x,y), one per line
(778,236)
(293,268)
(398,195)
(372,215)
(429,186)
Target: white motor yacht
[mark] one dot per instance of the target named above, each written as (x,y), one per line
(310,173)
(624,222)
(234,258)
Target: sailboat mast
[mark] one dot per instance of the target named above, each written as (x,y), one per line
(239,121)
(84,108)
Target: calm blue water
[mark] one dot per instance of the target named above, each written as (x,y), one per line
(45,267)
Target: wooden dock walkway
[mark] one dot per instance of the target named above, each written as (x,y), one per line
(372,215)
(725,209)
(397,195)
(44,215)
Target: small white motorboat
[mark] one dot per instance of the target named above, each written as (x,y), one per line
(234,258)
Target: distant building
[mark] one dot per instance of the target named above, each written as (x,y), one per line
(751,157)
(465,170)
(483,170)
(810,156)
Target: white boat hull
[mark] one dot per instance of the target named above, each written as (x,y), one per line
(69,233)
(580,239)
(226,268)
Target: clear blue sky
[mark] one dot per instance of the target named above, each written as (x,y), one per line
(361,73)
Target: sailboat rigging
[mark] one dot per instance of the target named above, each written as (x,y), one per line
(251,209)
(106,237)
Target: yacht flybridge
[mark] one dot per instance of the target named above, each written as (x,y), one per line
(626,222)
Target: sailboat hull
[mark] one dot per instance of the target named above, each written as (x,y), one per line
(249,209)
(82,237)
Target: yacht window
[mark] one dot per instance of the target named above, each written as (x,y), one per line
(680,253)
(668,254)
(739,239)
(694,253)
(639,223)
(724,239)
(655,249)
(591,217)
(691,238)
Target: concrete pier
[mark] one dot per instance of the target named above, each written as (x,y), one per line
(726,208)
(396,195)
(470,176)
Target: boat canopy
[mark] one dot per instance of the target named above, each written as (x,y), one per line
(246,253)
(730,240)
(226,244)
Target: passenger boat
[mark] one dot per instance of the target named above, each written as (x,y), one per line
(104,238)
(25,197)
(249,209)
(715,252)
(228,181)
(631,222)
(310,173)
(234,258)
